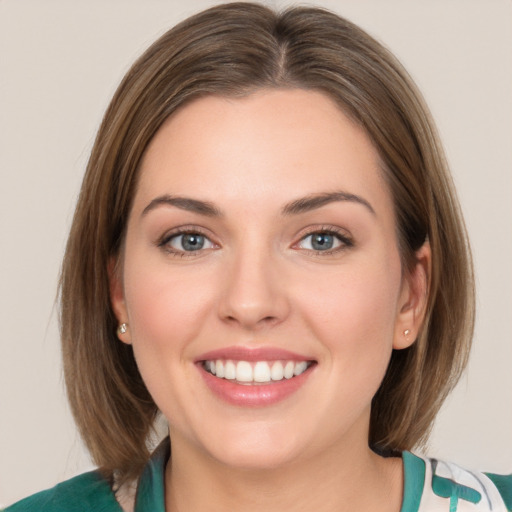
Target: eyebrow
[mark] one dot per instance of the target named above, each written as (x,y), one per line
(184,203)
(314,201)
(302,205)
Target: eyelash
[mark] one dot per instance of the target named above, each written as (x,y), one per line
(188,230)
(345,241)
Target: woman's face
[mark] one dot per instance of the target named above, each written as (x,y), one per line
(262,243)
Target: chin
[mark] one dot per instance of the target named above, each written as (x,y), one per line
(255,459)
(261,450)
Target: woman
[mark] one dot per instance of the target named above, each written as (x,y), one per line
(268,251)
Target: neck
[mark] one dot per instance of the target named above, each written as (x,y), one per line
(345,478)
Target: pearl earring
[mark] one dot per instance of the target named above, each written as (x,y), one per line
(407,332)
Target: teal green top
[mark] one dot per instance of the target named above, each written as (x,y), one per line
(429,486)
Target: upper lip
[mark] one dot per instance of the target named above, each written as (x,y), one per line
(238,353)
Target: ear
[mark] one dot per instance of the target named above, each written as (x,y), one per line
(117,300)
(413,299)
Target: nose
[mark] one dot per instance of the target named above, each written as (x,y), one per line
(254,294)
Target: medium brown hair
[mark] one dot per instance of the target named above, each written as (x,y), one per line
(233,50)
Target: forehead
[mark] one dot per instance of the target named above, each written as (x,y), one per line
(272,145)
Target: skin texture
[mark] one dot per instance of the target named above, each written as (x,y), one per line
(257,282)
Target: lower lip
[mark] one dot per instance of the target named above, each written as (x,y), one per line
(254,395)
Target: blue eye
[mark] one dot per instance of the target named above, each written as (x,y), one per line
(189,242)
(323,241)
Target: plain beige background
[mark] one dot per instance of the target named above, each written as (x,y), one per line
(60,62)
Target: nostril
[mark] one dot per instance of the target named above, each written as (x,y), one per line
(252,322)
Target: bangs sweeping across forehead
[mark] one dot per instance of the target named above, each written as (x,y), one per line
(232,50)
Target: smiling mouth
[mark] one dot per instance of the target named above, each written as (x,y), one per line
(257,372)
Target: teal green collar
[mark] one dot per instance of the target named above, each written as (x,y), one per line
(414,480)
(150,491)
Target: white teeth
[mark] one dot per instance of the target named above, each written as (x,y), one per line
(210,366)
(219,368)
(288,370)
(244,372)
(230,370)
(261,372)
(277,372)
(300,368)
(258,372)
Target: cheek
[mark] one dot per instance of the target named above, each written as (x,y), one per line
(354,313)
(166,309)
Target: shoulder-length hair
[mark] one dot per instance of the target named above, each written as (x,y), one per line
(233,50)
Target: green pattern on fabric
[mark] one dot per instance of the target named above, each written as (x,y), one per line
(446,488)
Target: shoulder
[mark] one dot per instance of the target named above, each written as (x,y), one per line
(447,486)
(84,493)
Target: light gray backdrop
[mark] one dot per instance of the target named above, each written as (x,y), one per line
(60,62)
